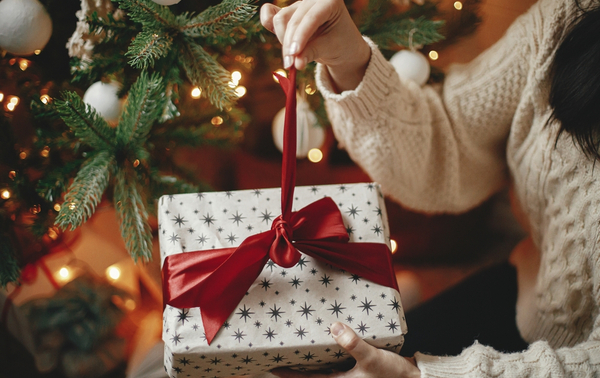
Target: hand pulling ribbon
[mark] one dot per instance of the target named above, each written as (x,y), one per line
(217,280)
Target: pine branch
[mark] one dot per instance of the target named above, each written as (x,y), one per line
(85,122)
(219,19)
(205,72)
(133,216)
(9,267)
(148,46)
(148,13)
(145,103)
(86,191)
(389,35)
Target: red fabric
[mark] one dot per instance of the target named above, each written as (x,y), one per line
(217,280)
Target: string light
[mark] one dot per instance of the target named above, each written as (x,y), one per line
(23,64)
(196,92)
(217,121)
(45,152)
(12,175)
(72,206)
(5,194)
(315,155)
(240,91)
(236,76)
(280,72)
(458,5)
(23,155)
(1,96)
(394,246)
(37,52)
(53,233)
(64,273)
(136,163)
(231,84)
(45,99)
(113,272)
(433,55)
(310,90)
(35,209)
(14,100)
(57,207)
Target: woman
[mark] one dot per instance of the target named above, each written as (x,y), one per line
(523,114)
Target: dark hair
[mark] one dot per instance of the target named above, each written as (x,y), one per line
(575,83)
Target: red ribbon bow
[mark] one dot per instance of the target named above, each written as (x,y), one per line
(217,280)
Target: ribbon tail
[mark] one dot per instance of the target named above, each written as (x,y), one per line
(369,260)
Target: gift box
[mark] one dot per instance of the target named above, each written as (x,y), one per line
(253,279)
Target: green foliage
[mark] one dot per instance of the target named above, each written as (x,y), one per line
(220,19)
(147,47)
(86,191)
(132,215)
(9,268)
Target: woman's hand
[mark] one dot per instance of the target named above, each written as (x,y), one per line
(321,31)
(370,361)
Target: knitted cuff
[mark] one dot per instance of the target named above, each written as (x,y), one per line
(438,367)
(372,90)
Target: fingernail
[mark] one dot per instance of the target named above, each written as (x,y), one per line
(294,48)
(287,61)
(337,329)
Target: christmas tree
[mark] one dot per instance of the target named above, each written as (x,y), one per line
(136,79)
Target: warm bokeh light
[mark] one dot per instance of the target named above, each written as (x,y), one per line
(310,90)
(72,206)
(231,84)
(130,304)
(10,106)
(45,152)
(12,175)
(433,55)
(196,92)
(458,5)
(53,233)
(281,72)
(136,163)
(23,155)
(45,99)
(37,52)
(394,245)
(64,273)
(57,207)
(113,272)
(1,96)
(315,155)
(240,91)
(35,209)
(5,194)
(14,100)
(23,64)
(217,121)
(236,76)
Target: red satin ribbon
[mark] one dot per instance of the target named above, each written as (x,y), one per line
(217,280)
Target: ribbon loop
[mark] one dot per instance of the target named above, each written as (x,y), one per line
(282,251)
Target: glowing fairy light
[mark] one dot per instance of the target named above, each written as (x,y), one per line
(394,246)
(433,55)
(64,273)
(236,76)
(458,5)
(240,91)
(280,72)
(113,272)
(5,194)
(196,92)
(315,155)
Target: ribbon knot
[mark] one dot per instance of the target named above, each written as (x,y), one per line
(282,251)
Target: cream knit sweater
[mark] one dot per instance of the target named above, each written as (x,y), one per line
(448,148)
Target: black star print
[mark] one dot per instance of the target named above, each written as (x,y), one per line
(288,323)
(239,335)
(309,356)
(249,227)
(220,229)
(366,220)
(184,361)
(283,273)
(226,325)
(378,211)
(176,338)
(247,360)
(313,271)
(300,332)
(339,354)
(215,361)
(195,327)
(305,310)
(362,328)
(336,309)
(245,313)
(183,316)
(231,238)
(380,316)
(325,280)
(266,216)
(383,296)
(353,297)
(191,230)
(394,304)
(349,230)
(293,302)
(177,369)
(228,194)
(353,211)
(265,284)
(257,324)
(208,219)
(355,278)
(262,303)
(202,239)
(277,359)
(377,230)
(295,282)
(270,334)
(319,321)
(366,306)
(314,189)
(179,220)
(174,238)
(237,218)
(322,300)
(343,188)
(392,326)
(275,312)
(257,192)
(270,264)
(302,262)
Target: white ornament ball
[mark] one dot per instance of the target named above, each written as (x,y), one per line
(25,26)
(309,133)
(166,2)
(103,97)
(411,65)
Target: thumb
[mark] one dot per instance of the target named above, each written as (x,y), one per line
(354,345)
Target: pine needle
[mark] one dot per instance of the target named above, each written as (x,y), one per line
(147,47)
(86,191)
(133,216)
(219,19)
(9,268)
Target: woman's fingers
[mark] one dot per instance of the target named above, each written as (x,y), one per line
(362,352)
(267,12)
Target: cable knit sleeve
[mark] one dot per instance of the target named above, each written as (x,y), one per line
(434,149)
